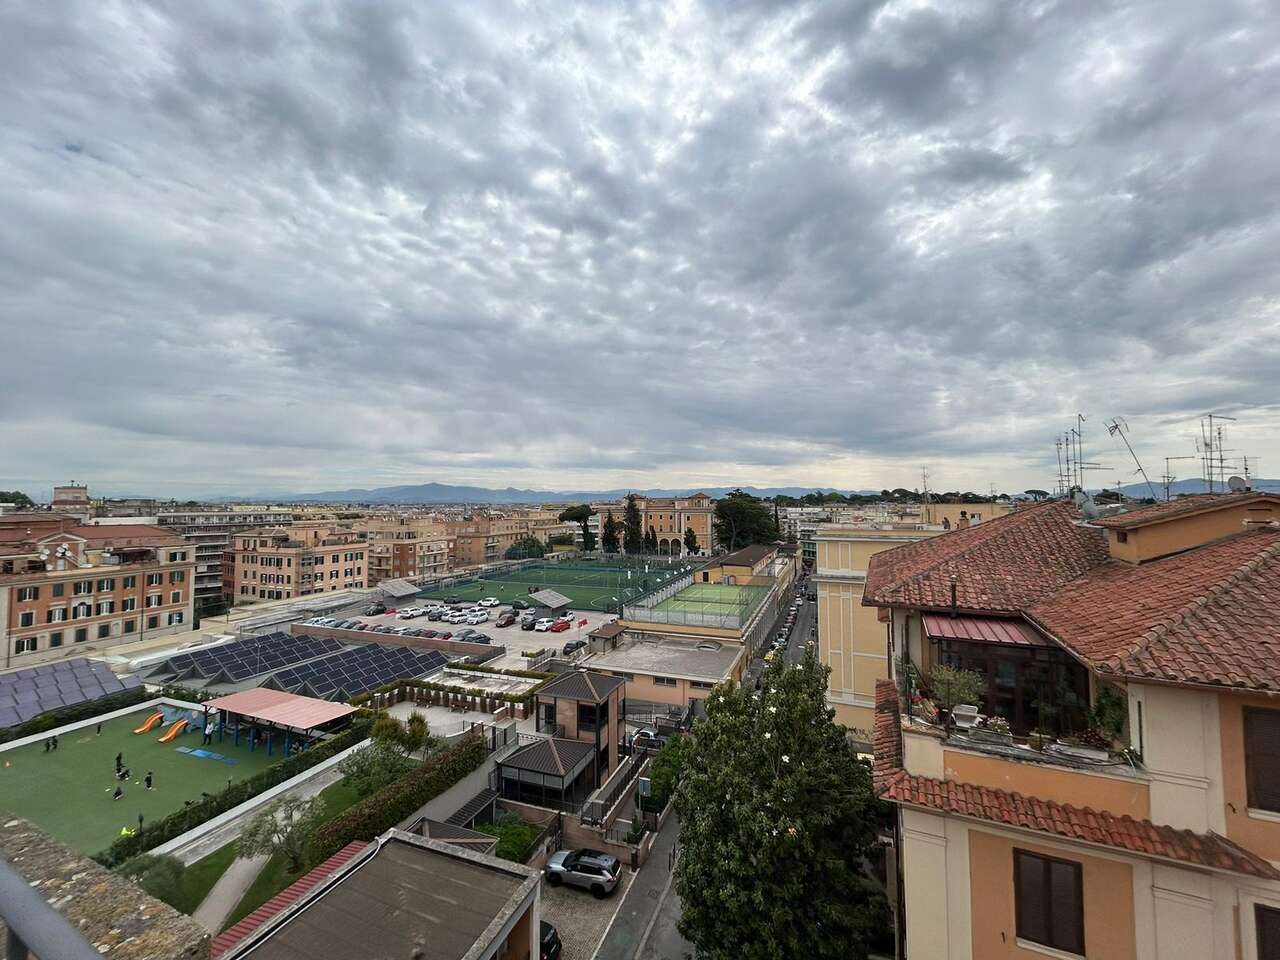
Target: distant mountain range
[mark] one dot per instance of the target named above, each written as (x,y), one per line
(1193,485)
(448,493)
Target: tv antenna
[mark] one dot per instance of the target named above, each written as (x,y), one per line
(1119,428)
(1168,477)
(1212,448)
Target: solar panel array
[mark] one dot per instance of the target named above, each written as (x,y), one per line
(246,658)
(357,670)
(28,693)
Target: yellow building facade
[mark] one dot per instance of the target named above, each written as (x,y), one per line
(851,638)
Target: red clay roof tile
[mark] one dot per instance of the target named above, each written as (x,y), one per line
(1183,506)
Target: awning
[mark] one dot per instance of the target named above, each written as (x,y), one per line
(940,626)
(281,708)
(551,599)
(398,589)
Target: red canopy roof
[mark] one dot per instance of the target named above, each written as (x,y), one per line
(939,626)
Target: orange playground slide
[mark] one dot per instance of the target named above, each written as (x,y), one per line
(173,731)
(152,722)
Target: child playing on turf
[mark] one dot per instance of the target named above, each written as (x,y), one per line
(118,794)
(148,780)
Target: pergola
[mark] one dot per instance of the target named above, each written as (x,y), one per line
(274,712)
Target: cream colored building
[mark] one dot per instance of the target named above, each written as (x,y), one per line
(404,547)
(851,639)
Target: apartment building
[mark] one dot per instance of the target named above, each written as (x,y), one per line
(1127,802)
(851,639)
(667,517)
(209,532)
(404,547)
(483,539)
(278,563)
(67,589)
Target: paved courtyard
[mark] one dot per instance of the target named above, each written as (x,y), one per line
(582,919)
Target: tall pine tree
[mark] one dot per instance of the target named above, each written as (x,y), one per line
(609,534)
(632,534)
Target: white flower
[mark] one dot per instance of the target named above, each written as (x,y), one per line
(773,708)
(785,758)
(767,735)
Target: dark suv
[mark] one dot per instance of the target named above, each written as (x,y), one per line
(588,869)
(375,609)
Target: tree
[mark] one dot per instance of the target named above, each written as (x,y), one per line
(609,536)
(284,826)
(632,535)
(651,541)
(1037,495)
(741,520)
(404,738)
(160,876)
(690,540)
(777,817)
(374,767)
(667,769)
(16,497)
(580,515)
(525,547)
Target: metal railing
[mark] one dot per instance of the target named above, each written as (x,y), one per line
(34,927)
(598,805)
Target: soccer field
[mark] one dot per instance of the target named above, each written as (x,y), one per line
(68,791)
(587,587)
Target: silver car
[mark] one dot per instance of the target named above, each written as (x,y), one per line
(588,869)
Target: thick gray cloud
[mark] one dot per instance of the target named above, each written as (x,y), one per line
(255,247)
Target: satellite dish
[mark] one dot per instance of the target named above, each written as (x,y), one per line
(1237,484)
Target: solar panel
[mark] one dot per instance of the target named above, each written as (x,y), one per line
(247,658)
(32,691)
(357,670)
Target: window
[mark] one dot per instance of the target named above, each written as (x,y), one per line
(129,603)
(27,618)
(129,582)
(177,576)
(154,579)
(153,622)
(1049,899)
(28,593)
(175,597)
(130,626)
(106,585)
(624,676)
(664,681)
(1262,757)
(701,685)
(175,617)
(177,555)
(56,614)
(82,634)
(81,610)
(58,589)
(1267,920)
(55,638)
(104,631)
(24,645)
(106,606)
(153,600)
(82,587)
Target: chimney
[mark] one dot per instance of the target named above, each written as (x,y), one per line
(953,594)
(963,522)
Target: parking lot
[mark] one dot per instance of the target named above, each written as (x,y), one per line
(580,918)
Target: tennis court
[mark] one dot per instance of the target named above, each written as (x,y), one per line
(68,791)
(589,586)
(714,598)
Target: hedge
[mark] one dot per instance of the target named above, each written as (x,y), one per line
(394,685)
(80,711)
(381,811)
(180,821)
(481,668)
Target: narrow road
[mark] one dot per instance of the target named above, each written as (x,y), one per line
(645,924)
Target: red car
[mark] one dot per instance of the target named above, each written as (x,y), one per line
(444,636)
(506,620)
(559,626)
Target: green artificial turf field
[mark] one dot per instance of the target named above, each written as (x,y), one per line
(68,791)
(587,588)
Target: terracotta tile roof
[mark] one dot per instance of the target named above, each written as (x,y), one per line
(1183,506)
(123,533)
(1045,816)
(1002,565)
(1205,616)
(286,898)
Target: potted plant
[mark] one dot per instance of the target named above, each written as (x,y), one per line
(993,729)
(951,686)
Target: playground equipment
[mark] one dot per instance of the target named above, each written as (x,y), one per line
(151,723)
(173,731)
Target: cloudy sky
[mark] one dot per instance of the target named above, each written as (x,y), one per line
(252,247)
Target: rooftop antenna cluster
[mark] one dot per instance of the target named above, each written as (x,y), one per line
(1117,427)
(1072,464)
(1211,445)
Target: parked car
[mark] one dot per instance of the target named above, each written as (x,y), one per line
(464,633)
(431,633)
(453,598)
(588,869)
(488,602)
(560,626)
(383,628)
(565,618)
(362,625)
(506,620)
(573,645)
(446,635)
(435,613)
(375,609)
(543,625)
(479,638)
(646,738)
(477,616)
(528,622)
(549,942)
(458,616)
(521,605)
(408,613)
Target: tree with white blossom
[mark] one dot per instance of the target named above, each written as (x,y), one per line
(777,820)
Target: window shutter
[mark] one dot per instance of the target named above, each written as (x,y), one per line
(1262,757)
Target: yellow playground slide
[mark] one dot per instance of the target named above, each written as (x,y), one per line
(152,722)
(173,731)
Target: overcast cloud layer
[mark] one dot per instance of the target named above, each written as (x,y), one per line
(255,247)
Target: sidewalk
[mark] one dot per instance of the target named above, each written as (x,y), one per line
(639,910)
(226,893)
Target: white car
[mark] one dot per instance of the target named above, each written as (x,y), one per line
(543,625)
(488,602)
(458,616)
(477,616)
(408,613)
